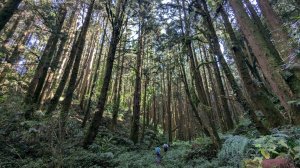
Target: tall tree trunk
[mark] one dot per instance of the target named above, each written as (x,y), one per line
(37,83)
(118,84)
(285,45)
(66,73)
(95,77)
(7,11)
(118,98)
(53,67)
(202,105)
(154,119)
(275,25)
(258,96)
(78,49)
(144,107)
(18,49)
(190,99)
(214,91)
(269,65)
(180,112)
(117,25)
(215,47)
(168,109)
(134,134)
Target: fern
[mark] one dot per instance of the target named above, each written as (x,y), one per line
(233,151)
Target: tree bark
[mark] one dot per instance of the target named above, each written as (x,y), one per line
(95,77)
(168,109)
(116,105)
(78,49)
(134,134)
(7,11)
(215,47)
(37,83)
(258,96)
(117,25)
(269,65)
(279,34)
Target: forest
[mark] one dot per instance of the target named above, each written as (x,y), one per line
(111,83)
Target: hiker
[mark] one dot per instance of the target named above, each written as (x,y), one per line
(158,156)
(166,147)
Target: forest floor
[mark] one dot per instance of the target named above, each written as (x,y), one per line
(36,143)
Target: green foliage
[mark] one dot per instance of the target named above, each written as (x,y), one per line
(294,102)
(104,144)
(245,127)
(233,151)
(146,158)
(79,157)
(270,146)
(253,163)
(202,148)
(282,143)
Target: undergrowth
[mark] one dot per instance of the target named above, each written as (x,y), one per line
(36,143)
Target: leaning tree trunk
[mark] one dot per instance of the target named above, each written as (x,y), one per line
(117,25)
(269,65)
(202,107)
(59,91)
(53,66)
(7,11)
(78,49)
(285,45)
(37,83)
(279,34)
(215,47)
(39,78)
(95,78)
(238,93)
(258,96)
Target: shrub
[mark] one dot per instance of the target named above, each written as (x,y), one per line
(233,151)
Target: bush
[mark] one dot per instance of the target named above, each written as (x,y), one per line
(233,151)
(205,151)
(84,158)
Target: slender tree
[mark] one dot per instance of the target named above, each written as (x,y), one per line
(95,77)
(257,94)
(7,11)
(269,65)
(117,23)
(78,49)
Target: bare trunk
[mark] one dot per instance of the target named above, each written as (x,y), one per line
(134,134)
(77,51)
(117,25)
(269,65)
(95,78)
(7,11)
(258,96)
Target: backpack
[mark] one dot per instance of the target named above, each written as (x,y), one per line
(157,150)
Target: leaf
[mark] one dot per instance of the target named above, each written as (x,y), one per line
(282,143)
(265,153)
(257,145)
(297,156)
(274,151)
(297,148)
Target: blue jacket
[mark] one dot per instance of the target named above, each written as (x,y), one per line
(157,150)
